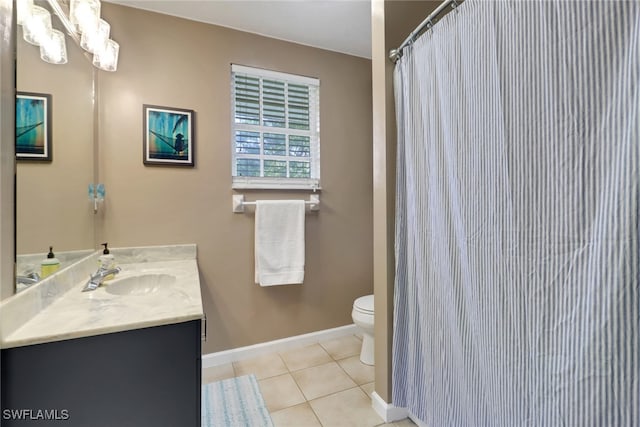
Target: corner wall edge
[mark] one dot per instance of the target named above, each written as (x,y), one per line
(387,411)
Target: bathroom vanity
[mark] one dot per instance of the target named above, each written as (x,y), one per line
(125,354)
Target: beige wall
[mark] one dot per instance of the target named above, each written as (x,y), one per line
(52,203)
(392,22)
(173,62)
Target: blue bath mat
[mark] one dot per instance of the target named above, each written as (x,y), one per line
(236,402)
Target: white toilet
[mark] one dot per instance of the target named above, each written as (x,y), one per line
(363,318)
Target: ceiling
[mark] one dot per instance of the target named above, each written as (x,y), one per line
(338,25)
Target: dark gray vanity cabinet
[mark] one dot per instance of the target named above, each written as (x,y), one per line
(138,378)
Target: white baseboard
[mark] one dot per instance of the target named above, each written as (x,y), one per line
(387,411)
(242,353)
(417,421)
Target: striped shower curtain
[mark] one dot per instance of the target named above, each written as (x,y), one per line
(517,217)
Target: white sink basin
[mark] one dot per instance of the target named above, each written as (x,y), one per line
(140,285)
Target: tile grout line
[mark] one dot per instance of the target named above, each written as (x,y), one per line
(307,401)
(334,393)
(315,414)
(291,372)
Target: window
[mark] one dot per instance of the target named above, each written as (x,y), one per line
(275,130)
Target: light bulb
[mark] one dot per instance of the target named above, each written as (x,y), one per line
(23,10)
(37,27)
(94,41)
(85,15)
(107,58)
(54,49)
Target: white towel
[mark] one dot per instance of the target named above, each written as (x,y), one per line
(279,242)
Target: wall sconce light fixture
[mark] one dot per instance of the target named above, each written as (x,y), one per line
(82,23)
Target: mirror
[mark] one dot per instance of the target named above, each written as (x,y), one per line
(52,203)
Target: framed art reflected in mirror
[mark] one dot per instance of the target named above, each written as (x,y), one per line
(33,126)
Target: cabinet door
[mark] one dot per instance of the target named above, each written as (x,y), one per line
(138,378)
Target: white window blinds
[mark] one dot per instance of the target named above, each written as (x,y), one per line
(275,129)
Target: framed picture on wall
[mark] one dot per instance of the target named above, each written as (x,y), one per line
(33,126)
(168,136)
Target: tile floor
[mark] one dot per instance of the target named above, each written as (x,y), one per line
(321,384)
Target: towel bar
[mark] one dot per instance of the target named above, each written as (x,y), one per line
(239,203)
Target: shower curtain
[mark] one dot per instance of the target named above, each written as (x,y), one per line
(517,230)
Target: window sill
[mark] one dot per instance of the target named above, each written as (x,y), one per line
(246,183)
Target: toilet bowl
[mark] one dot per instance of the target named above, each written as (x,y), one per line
(362,315)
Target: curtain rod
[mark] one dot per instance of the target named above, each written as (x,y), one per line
(395,54)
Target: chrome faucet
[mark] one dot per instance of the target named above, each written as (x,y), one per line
(96,279)
(28,279)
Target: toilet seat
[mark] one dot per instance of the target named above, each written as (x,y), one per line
(364,304)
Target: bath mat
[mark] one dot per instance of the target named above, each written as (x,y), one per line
(236,402)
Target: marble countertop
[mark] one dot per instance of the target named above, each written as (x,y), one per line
(75,314)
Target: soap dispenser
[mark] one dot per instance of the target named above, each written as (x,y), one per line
(107,261)
(49,265)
